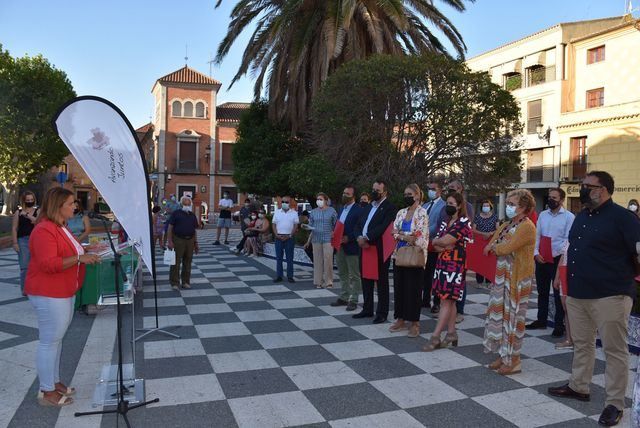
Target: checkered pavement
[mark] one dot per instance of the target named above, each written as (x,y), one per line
(257,354)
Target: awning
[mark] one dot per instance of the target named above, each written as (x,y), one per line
(539,58)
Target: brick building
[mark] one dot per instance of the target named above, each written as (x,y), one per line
(193,139)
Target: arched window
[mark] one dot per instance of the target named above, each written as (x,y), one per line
(200,109)
(176,108)
(188,109)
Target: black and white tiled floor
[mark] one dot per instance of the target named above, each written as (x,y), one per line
(257,354)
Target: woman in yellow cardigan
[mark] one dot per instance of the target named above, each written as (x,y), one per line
(513,244)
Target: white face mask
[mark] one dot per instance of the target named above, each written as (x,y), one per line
(253,217)
(261,215)
(486,210)
(633,207)
(320,203)
(432,194)
(285,206)
(510,211)
(187,208)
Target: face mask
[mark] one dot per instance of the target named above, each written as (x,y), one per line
(510,211)
(375,195)
(247,205)
(320,203)
(261,215)
(633,207)
(363,204)
(408,200)
(285,206)
(450,210)
(187,208)
(76,211)
(553,204)
(585,195)
(225,196)
(253,217)
(346,199)
(432,194)
(29,204)
(486,210)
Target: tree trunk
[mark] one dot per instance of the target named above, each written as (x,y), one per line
(10,199)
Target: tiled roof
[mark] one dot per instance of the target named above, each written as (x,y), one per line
(188,75)
(145,128)
(230,112)
(604,120)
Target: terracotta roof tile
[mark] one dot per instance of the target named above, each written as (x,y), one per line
(188,75)
(230,112)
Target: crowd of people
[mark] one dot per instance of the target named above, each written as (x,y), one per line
(590,261)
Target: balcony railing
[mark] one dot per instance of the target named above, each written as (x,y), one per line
(226,167)
(573,172)
(538,174)
(187,166)
(540,75)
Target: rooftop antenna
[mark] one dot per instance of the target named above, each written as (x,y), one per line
(210,62)
(629,9)
(186,54)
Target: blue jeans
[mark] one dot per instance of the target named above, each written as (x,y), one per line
(460,303)
(286,247)
(23,259)
(54,316)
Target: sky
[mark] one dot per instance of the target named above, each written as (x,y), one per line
(117,49)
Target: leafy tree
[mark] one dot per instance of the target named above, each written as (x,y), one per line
(31,91)
(269,161)
(408,118)
(299,43)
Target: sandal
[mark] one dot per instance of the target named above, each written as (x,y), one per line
(329,286)
(433,344)
(63,401)
(395,327)
(65,390)
(515,367)
(496,364)
(414,331)
(319,286)
(450,340)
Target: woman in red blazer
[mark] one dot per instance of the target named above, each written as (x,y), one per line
(55,273)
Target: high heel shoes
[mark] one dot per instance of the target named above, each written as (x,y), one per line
(450,340)
(433,344)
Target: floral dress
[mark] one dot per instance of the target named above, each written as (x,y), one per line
(448,278)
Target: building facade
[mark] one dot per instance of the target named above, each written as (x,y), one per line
(193,139)
(537,71)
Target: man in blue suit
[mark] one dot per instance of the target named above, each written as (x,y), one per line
(347,257)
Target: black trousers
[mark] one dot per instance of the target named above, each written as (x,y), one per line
(545,274)
(383,291)
(240,245)
(429,269)
(407,287)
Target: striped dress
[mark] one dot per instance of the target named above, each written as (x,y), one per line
(509,296)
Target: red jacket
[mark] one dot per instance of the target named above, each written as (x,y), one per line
(48,245)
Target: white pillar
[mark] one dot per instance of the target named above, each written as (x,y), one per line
(502,201)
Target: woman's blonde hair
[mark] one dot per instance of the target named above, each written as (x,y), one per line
(23,198)
(415,189)
(525,199)
(51,204)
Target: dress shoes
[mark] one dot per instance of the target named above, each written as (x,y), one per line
(536,325)
(610,416)
(566,392)
(352,306)
(557,332)
(338,302)
(379,320)
(362,314)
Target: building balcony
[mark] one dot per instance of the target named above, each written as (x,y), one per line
(187,166)
(573,172)
(540,174)
(225,168)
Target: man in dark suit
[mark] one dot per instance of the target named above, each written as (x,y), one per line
(370,227)
(347,257)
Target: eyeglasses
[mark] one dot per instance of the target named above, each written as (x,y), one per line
(591,186)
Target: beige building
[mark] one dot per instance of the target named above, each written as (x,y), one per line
(539,71)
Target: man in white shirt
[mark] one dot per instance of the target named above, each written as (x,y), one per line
(224,221)
(554,223)
(285,224)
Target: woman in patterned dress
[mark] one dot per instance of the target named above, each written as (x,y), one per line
(513,244)
(448,279)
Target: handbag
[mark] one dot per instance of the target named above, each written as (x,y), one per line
(410,256)
(169,257)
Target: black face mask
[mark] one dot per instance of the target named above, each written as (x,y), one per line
(76,211)
(450,210)
(375,196)
(553,204)
(585,195)
(29,204)
(364,204)
(408,200)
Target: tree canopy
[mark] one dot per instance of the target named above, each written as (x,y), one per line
(31,91)
(297,44)
(408,118)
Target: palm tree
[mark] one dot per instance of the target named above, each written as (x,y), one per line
(297,43)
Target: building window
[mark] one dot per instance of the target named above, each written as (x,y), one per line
(188,109)
(512,81)
(200,109)
(534,116)
(187,158)
(595,98)
(577,158)
(176,109)
(595,55)
(226,161)
(536,75)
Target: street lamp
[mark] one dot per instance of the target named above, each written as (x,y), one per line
(207,152)
(543,135)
